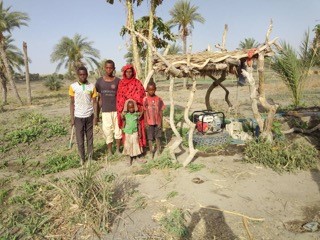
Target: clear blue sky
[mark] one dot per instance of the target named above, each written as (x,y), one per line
(101,23)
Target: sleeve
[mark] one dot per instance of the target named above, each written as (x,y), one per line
(144,105)
(94,93)
(71,91)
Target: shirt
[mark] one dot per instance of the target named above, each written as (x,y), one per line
(83,94)
(108,93)
(153,106)
(131,123)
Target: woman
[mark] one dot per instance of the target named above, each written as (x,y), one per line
(131,88)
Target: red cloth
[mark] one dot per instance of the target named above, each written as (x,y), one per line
(131,88)
(250,55)
(153,107)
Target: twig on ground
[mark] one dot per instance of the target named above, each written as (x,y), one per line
(233,213)
(245,224)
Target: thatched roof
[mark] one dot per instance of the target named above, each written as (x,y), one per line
(207,63)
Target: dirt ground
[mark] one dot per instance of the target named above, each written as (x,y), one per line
(235,200)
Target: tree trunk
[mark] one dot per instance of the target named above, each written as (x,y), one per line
(150,36)
(178,140)
(192,126)
(4,90)
(7,71)
(135,51)
(271,108)
(26,64)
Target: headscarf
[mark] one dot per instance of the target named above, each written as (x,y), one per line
(131,89)
(125,108)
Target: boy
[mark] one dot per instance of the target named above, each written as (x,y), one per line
(107,87)
(153,108)
(83,109)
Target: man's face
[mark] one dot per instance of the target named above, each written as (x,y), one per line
(129,73)
(109,69)
(82,74)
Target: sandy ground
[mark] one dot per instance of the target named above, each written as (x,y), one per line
(233,193)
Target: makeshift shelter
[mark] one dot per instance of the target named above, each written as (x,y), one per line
(216,65)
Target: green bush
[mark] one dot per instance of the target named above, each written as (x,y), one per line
(53,83)
(282,155)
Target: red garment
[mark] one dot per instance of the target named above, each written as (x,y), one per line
(131,88)
(153,107)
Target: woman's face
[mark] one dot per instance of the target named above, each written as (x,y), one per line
(129,73)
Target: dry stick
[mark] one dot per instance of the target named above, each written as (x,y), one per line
(214,84)
(71,137)
(245,224)
(291,130)
(171,68)
(150,74)
(233,213)
(178,141)
(192,126)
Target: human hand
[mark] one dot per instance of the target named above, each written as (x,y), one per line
(72,121)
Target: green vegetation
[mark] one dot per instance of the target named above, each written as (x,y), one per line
(195,167)
(172,194)
(36,126)
(293,67)
(53,83)
(174,223)
(162,162)
(282,155)
(74,52)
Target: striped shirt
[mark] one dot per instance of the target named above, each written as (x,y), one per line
(83,94)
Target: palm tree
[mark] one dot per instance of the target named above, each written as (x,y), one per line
(184,15)
(8,21)
(130,24)
(174,49)
(161,34)
(294,67)
(248,43)
(74,53)
(316,43)
(15,61)
(153,5)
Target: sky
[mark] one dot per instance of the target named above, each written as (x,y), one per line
(100,22)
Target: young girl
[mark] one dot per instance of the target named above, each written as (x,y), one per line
(130,116)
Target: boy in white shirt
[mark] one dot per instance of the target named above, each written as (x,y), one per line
(83,109)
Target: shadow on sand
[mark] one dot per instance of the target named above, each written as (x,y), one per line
(214,223)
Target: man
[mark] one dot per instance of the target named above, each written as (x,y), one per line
(107,87)
(83,109)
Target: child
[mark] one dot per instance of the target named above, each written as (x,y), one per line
(130,117)
(83,108)
(153,108)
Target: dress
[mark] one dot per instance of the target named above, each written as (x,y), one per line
(131,88)
(131,145)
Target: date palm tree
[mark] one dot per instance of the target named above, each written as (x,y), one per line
(184,15)
(74,53)
(130,24)
(248,43)
(8,21)
(293,67)
(15,61)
